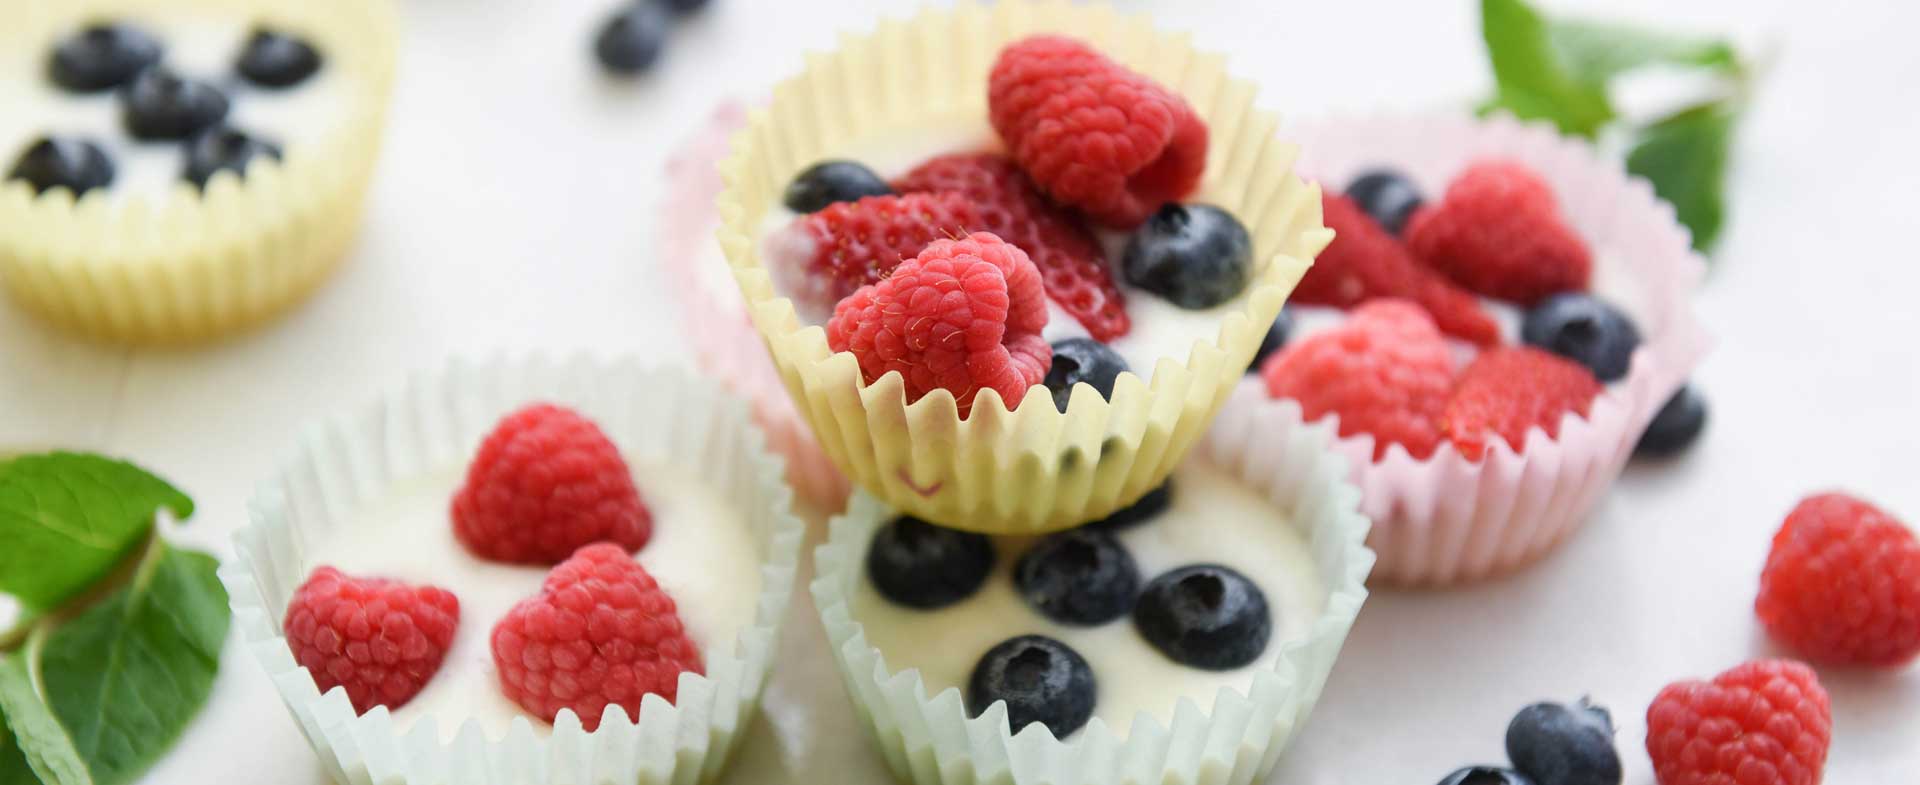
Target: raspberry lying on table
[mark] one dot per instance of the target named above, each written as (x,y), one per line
(1842,584)
(380,640)
(1762,723)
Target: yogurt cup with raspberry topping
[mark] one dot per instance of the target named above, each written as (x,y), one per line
(1450,503)
(967,432)
(655,635)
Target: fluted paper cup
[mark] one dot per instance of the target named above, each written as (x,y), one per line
(433,426)
(1447,519)
(1031,468)
(930,739)
(190,264)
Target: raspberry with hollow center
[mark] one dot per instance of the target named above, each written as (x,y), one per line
(1761,723)
(380,640)
(545,482)
(1093,134)
(1842,584)
(963,316)
(600,633)
(1385,372)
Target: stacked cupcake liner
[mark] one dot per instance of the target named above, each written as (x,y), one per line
(930,739)
(434,424)
(1446,519)
(1031,468)
(192,265)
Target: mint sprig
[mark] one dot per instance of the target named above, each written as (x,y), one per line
(104,676)
(1561,70)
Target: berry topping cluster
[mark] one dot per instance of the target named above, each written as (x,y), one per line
(158,104)
(1204,616)
(546,488)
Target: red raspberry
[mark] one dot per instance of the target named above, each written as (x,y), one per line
(381,640)
(1762,723)
(600,633)
(963,316)
(1072,264)
(1498,232)
(1842,584)
(858,243)
(544,483)
(1093,134)
(1507,391)
(1385,372)
(1365,263)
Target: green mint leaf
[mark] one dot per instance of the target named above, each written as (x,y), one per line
(126,675)
(13,763)
(1685,157)
(43,745)
(1532,80)
(68,519)
(1594,52)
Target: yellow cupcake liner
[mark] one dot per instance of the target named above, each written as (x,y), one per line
(1033,468)
(191,265)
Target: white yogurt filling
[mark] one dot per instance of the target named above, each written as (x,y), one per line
(1160,328)
(1213,519)
(701,552)
(197,46)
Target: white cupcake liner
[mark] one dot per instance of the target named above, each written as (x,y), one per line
(714,318)
(191,264)
(931,740)
(1447,519)
(434,424)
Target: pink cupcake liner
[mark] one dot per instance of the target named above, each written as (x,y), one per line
(1448,520)
(723,340)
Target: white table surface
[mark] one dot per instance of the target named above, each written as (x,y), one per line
(514,212)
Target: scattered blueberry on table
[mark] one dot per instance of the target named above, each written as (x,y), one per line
(1676,426)
(1560,744)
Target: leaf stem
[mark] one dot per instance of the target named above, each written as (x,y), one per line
(136,568)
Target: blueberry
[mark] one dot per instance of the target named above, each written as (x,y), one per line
(1150,505)
(1077,360)
(1204,615)
(52,162)
(1276,337)
(1041,679)
(828,182)
(1386,195)
(102,57)
(1584,329)
(1486,775)
(1078,577)
(1676,426)
(1196,256)
(686,6)
(274,59)
(161,104)
(920,565)
(224,149)
(630,42)
(1557,744)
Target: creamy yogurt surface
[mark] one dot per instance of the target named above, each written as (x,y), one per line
(1212,519)
(197,46)
(701,552)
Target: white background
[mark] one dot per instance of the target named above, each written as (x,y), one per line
(514,211)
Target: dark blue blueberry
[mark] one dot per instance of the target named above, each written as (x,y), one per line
(686,6)
(1486,775)
(224,149)
(1077,360)
(828,182)
(1276,337)
(161,104)
(630,42)
(52,162)
(1557,744)
(1584,329)
(274,59)
(1194,255)
(1041,679)
(920,565)
(1676,426)
(102,57)
(1155,502)
(1078,577)
(1386,195)
(1204,615)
